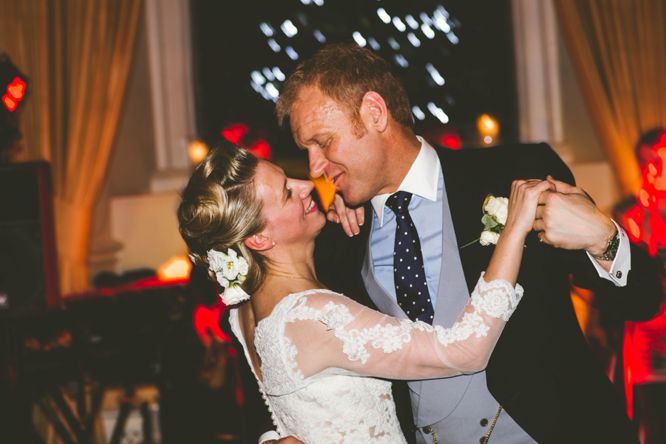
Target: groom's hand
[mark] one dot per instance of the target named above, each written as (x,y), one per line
(567,218)
(350,219)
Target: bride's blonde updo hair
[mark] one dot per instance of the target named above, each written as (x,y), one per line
(219,209)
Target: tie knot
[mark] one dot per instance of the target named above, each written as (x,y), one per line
(399,201)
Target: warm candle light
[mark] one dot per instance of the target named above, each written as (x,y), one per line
(174,269)
(325,189)
(197,151)
(488,128)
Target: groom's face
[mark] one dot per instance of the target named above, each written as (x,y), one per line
(347,152)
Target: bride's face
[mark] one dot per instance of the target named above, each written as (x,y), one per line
(290,213)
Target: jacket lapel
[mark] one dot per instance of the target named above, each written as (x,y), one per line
(465,195)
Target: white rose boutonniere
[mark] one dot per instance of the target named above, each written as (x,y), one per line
(488,237)
(230,271)
(497,208)
(495,211)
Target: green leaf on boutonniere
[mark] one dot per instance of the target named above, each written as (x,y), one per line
(488,221)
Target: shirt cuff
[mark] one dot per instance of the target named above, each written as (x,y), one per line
(267,436)
(621,265)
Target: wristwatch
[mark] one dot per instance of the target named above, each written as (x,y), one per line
(611,248)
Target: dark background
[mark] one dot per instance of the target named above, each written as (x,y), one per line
(479,69)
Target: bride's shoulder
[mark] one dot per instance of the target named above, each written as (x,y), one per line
(325,306)
(318,304)
(314,298)
(319,297)
(309,304)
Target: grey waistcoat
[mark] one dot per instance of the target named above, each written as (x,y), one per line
(455,407)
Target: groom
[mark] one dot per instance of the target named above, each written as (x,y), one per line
(352,116)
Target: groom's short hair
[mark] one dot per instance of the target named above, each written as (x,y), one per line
(345,72)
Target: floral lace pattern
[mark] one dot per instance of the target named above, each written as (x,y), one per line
(388,338)
(316,348)
(496,298)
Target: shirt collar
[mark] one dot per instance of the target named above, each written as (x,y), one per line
(421,179)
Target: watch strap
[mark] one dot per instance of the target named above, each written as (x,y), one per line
(611,248)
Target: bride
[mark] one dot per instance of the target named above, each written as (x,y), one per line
(320,358)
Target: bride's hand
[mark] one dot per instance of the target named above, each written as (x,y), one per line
(523,204)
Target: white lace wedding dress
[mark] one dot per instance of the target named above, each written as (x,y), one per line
(322,354)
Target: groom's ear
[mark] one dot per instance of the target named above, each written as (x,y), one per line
(259,242)
(374,112)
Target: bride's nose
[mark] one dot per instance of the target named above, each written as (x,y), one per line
(304,188)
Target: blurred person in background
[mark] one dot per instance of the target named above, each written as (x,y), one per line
(644,348)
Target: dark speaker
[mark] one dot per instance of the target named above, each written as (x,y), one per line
(28,267)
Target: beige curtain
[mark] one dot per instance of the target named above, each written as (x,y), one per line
(77,55)
(618,49)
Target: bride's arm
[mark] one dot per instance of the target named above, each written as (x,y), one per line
(505,261)
(333,331)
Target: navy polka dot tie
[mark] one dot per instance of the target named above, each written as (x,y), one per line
(411,287)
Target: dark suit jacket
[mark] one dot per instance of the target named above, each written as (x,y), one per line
(541,371)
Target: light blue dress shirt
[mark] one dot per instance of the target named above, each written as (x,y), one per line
(426,183)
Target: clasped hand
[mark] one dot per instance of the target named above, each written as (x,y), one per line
(565,216)
(568,218)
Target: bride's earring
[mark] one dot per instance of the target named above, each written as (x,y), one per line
(274,243)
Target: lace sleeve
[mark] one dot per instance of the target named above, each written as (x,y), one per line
(329,330)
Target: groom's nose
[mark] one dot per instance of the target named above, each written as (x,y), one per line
(317,162)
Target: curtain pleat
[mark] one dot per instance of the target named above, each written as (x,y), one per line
(618,50)
(77,55)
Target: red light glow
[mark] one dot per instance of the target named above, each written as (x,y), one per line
(644,198)
(10,104)
(16,89)
(234,133)
(450,140)
(207,323)
(15,93)
(261,149)
(652,169)
(634,228)
(634,218)
(239,133)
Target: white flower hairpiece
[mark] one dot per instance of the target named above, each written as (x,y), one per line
(495,211)
(230,271)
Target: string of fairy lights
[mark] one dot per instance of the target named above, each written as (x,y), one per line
(405,37)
